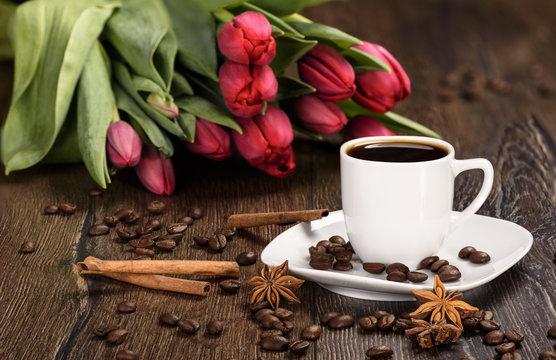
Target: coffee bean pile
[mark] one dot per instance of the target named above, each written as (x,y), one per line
(333,253)
(475,256)
(445,271)
(191,326)
(217,241)
(335,320)
(64,208)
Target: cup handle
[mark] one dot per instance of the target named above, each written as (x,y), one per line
(459,166)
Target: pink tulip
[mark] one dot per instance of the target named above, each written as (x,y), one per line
(123,145)
(155,172)
(363,126)
(321,117)
(246,87)
(248,39)
(266,142)
(326,70)
(379,91)
(211,140)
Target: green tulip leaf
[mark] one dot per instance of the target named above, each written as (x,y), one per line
(290,87)
(215,5)
(359,58)
(288,50)
(52,42)
(65,147)
(180,85)
(205,109)
(326,34)
(285,7)
(147,85)
(188,123)
(272,19)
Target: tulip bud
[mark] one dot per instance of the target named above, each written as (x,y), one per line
(123,145)
(246,87)
(155,172)
(363,126)
(321,117)
(266,142)
(162,105)
(326,70)
(211,140)
(248,39)
(379,91)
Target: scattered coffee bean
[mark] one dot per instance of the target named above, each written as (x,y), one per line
(196,213)
(126,307)
(405,315)
(215,327)
(27,247)
(343,265)
(274,343)
(403,324)
(154,236)
(379,352)
(374,267)
(343,256)
(547,355)
(258,306)
(51,209)
(283,314)
(286,327)
(201,240)
(121,214)
(271,332)
(466,251)
(479,257)
(545,90)
(552,332)
(67,208)
(386,322)
(505,348)
(487,315)
(141,243)
(98,229)
(102,331)
(317,250)
(149,227)
(131,218)
(321,261)
(144,252)
(268,320)
(341,322)
(165,245)
(126,354)
(217,242)
(168,319)
(177,238)
(110,220)
(176,228)
(116,336)
(397,267)
(449,273)
(125,234)
(156,207)
(336,239)
(494,337)
(511,356)
(438,264)
(230,285)
(428,261)
(397,276)
(187,220)
(247,258)
(189,326)
(228,233)
(299,347)
(417,277)
(469,357)
(368,323)
(471,323)
(514,336)
(259,315)
(489,325)
(95,192)
(380,313)
(311,332)
(326,317)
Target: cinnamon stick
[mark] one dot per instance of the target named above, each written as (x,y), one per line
(241,221)
(93,265)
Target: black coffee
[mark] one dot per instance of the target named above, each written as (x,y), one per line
(397,152)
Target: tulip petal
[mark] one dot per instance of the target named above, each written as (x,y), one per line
(265,82)
(230,42)
(211,141)
(254,25)
(363,126)
(321,117)
(155,172)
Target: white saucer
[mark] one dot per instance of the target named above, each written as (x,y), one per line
(504,241)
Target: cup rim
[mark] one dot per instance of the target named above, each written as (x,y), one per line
(402,138)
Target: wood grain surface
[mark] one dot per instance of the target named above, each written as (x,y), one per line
(48,311)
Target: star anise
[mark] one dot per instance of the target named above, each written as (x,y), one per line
(428,335)
(274,284)
(441,306)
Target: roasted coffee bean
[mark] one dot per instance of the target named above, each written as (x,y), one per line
(271,332)
(196,213)
(514,336)
(215,327)
(126,307)
(154,236)
(149,226)
(334,248)
(374,267)
(368,323)
(469,357)
(511,356)
(122,213)
(258,306)
(487,315)
(110,220)
(324,243)
(274,343)
(547,355)
(156,207)
(176,228)
(131,218)
(187,220)
(397,267)
(259,315)
(343,255)
(165,245)
(317,249)
(268,321)
(168,319)
(489,325)
(311,332)
(177,238)
(505,348)
(102,331)
(449,273)
(51,209)
(379,352)
(201,240)
(416,276)
(341,322)
(299,347)
(386,322)
(247,258)
(144,252)
(189,326)
(283,314)
(494,337)
(286,327)
(428,261)
(217,242)
(342,266)
(479,257)
(126,354)
(337,239)
(27,247)
(471,323)
(67,208)
(98,229)
(125,234)
(405,315)
(230,285)
(141,243)
(95,192)
(380,313)
(326,317)
(403,324)
(116,336)
(435,266)
(228,233)
(552,332)
(321,261)
(466,251)
(397,276)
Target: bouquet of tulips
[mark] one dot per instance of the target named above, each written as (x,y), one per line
(118,83)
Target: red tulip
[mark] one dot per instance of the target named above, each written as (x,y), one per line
(248,39)
(363,126)
(266,142)
(246,87)
(123,145)
(326,70)
(155,172)
(211,140)
(379,91)
(321,117)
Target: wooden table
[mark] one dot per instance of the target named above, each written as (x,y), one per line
(48,311)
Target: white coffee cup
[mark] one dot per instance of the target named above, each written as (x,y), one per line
(402,211)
